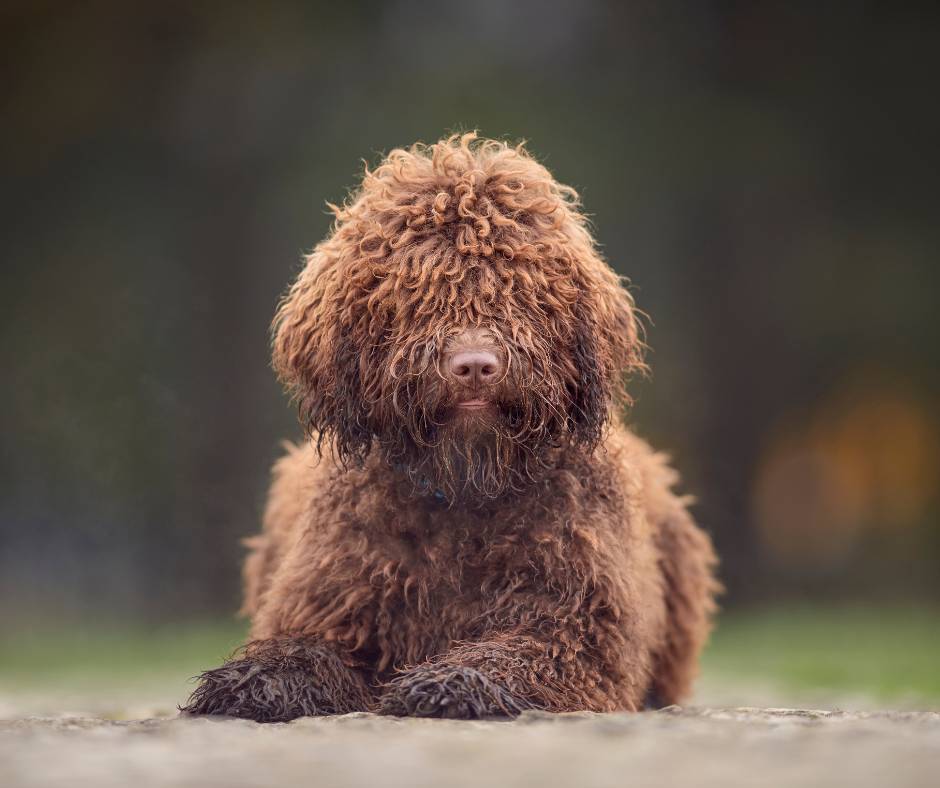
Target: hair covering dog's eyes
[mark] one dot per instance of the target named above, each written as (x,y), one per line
(465,235)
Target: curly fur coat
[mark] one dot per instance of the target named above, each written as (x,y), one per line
(470,530)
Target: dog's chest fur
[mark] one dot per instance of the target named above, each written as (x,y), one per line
(439,573)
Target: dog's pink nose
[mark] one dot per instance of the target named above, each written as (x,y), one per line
(475,367)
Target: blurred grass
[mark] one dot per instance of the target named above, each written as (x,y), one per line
(112,652)
(108,669)
(888,655)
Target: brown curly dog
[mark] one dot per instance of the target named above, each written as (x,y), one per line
(470,530)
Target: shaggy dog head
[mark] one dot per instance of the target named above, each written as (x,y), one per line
(459,320)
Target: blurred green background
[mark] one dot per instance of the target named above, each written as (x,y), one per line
(764,173)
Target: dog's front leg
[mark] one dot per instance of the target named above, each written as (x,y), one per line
(279,679)
(500,676)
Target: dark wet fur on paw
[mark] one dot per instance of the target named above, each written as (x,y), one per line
(277,681)
(450,692)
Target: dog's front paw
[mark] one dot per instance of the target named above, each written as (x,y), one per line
(278,681)
(448,691)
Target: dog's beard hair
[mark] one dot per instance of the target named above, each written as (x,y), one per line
(464,468)
(468,464)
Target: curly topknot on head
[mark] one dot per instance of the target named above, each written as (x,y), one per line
(463,233)
(485,197)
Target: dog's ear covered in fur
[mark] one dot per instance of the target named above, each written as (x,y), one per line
(318,361)
(607,349)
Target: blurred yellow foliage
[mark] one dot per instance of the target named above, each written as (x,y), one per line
(866,459)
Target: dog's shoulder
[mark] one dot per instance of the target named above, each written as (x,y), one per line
(295,476)
(643,469)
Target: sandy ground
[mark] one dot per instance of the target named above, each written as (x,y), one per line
(672,747)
